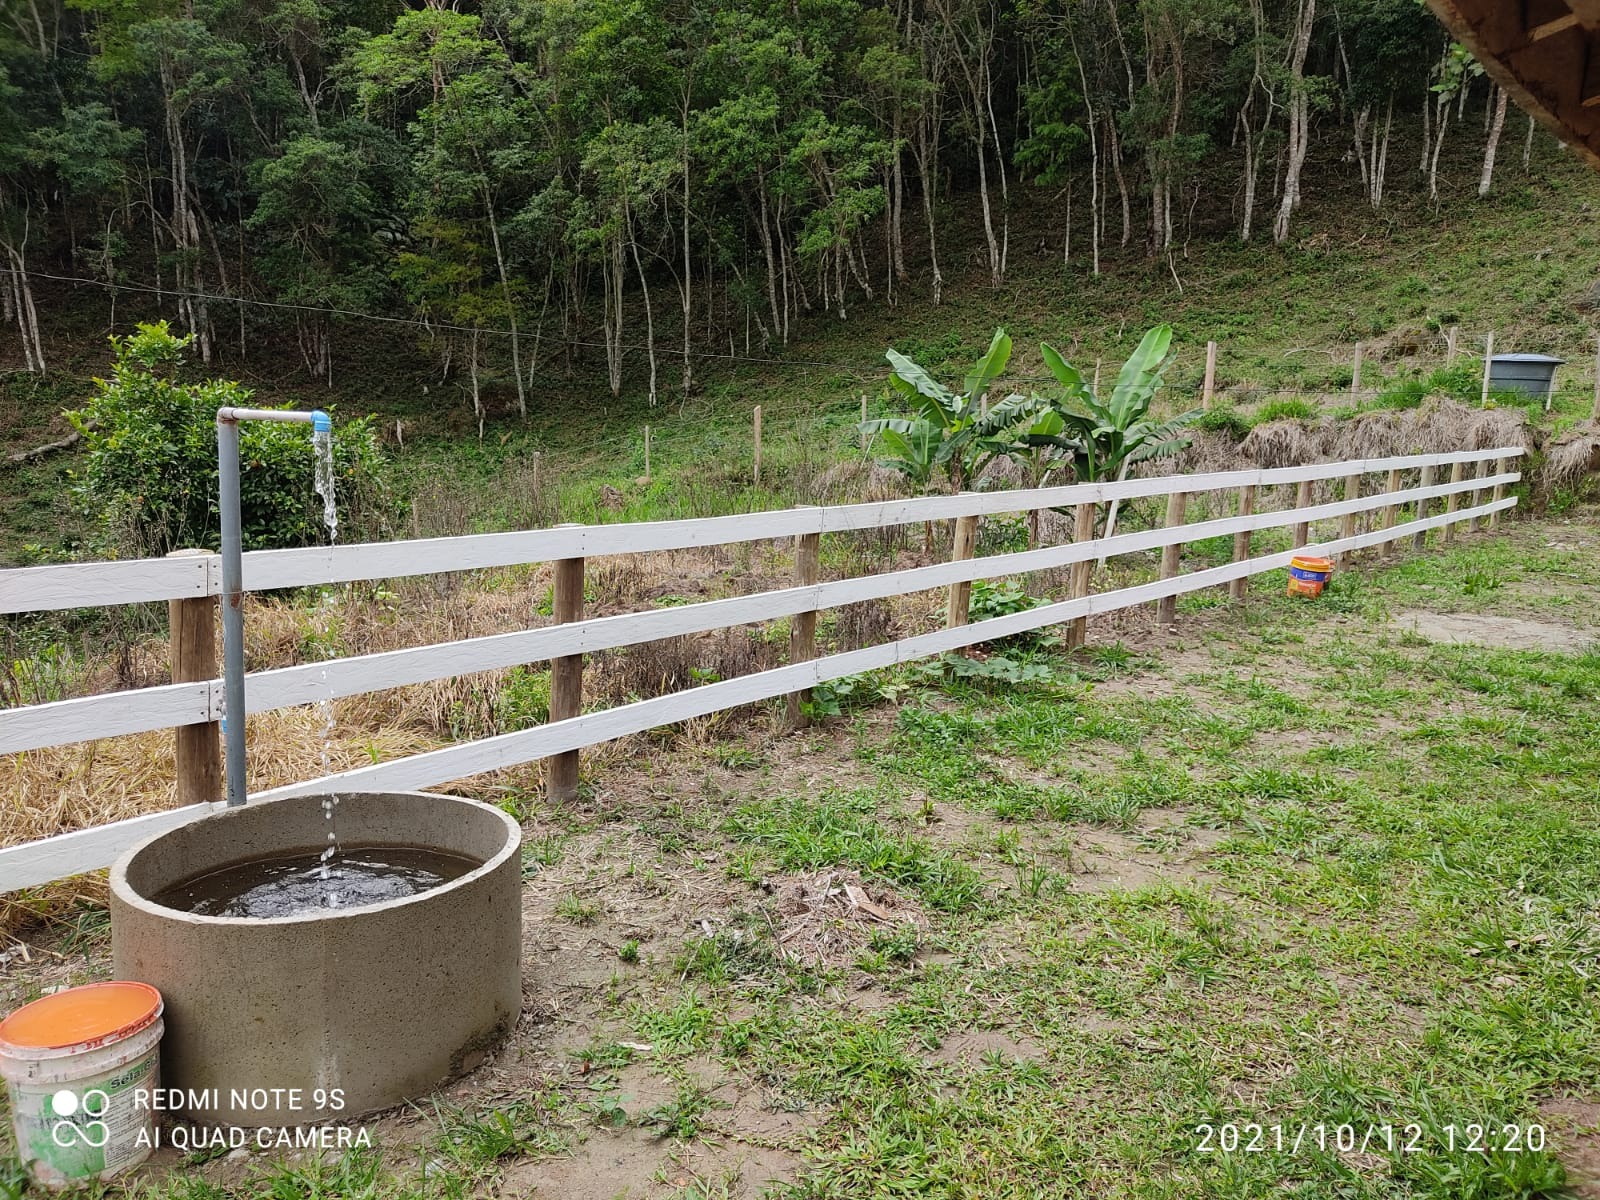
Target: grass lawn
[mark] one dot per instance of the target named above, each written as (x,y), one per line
(1295,866)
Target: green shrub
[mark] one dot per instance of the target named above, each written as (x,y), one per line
(149,473)
(1292,409)
(1224,419)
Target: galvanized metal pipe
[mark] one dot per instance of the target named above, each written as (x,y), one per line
(233,580)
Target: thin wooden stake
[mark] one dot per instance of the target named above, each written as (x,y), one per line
(566,680)
(1450,503)
(756,473)
(1211,375)
(1238,588)
(1488,360)
(1450,344)
(1347,523)
(963,544)
(1420,539)
(1355,373)
(1167,606)
(1082,531)
(197,751)
(1595,415)
(1096,388)
(803,626)
(1302,499)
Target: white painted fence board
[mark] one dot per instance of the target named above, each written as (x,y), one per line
(110,715)
(69,854)
(88,584)
(100,584)
(82,720)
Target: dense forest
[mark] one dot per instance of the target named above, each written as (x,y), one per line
(663,179)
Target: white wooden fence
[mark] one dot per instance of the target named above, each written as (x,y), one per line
(82,585)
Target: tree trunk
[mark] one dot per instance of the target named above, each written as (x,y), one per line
(1299,120)
(1493,144)
(649,317)
(511,308)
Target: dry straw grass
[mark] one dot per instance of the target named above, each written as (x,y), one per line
(1571,458)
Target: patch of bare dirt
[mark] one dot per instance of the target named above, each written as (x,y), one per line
(1484,629)
(1105,860)
(1574,1127)
(971,1048)
(633,1165)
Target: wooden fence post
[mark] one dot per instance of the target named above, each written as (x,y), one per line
(756,473)
(1488,358)
(1451,502)
(1302,499)
(1347,523)
(1420,538)
(1082,531)
(1392,511)
(1500,465)
(1211,375)
(1177,506)
(1355,373)
(1450,344)
(197,751)
(803,626)
(1237,588)
(566,680)
(964,542)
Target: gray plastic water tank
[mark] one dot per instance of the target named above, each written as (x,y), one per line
(1531,374)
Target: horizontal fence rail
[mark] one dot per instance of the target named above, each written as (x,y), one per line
(104,584)
(181,704)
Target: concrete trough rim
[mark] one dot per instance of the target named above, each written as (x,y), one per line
(129,895)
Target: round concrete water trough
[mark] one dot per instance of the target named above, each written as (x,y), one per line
(383,1002)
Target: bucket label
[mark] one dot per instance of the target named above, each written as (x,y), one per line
(86,1129)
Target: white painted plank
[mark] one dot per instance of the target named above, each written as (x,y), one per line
(97,584)
(77,585)
(86,850)
(110,715)
(68,854)
(294,568)
(89,717)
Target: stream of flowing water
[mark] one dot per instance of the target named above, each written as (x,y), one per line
(322,447)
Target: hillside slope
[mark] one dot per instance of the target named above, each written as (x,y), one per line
(1520,263)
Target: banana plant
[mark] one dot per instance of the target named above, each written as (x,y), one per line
(946,432)
(1106,439)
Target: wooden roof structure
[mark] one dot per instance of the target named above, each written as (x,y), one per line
(1545,53)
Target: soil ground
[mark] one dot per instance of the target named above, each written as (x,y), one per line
(1292,865)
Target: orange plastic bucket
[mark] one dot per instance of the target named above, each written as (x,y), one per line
(1308,575)
(80,1065)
